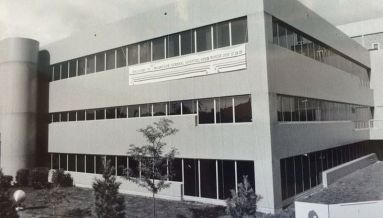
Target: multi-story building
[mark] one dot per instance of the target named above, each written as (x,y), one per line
(266,89)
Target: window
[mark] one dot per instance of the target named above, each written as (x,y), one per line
(313,169)
(80,163)
(133,54)
(122,162)
(206,111)
(72,116)
(121,57)
(56,117)
(191,178)
(145,110)
(72,162)
(159,109)
(225,110)
(63,116)
(187,42)
(90,114)
(282,32)
(134,170)
(56,70)
(158,48)
(112,161)
(110,59)
(72,68)
(221,35)
(100,62)
(110,113)
(133,111)
(188,107)
(64,70)
(239,31)
(89,163)
(306,172)
(172,44)
(55,161)
(63,161)
(226,178)
(80,115)
(100,163)
(81,66)
(203,36)
(208,178)
(121,112)
(100,114)
(145,54)
(298,174)
(290,177)
(90,64)
(283,178)
(375,46)
(246,168)
(176,168)
(242,106)
(175,108)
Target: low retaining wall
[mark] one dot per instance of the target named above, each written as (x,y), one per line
(370,209)
(331,175)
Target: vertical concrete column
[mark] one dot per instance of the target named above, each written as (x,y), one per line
(18,98)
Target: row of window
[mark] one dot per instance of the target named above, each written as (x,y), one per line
(201,177)
(303,172)
(301,109)
(288,37)
(205,38)
(232,109)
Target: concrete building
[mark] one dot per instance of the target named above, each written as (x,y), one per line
(266,89)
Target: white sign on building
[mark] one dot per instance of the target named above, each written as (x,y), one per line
(198,64)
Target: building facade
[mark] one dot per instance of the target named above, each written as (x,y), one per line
(266,89)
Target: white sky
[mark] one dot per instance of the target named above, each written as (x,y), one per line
(51,20)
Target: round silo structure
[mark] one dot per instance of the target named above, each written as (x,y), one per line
(18,103)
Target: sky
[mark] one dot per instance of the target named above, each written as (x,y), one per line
(51,20)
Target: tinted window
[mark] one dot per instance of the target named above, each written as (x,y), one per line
(159,109)
(63,161)
(80,115)
(208,179)
(100,163)
(239,31)
(133,111)
(72,162)
(90,114)
(203,35)
(133,168)
(132,54)
(55,161)
(72,115)
(206,110)
(121,165)
(56,69)
(110,113)
(191,177)
(121,112)
(80,163)
(64,70)
(81,66)
(188,107)
(225,110)
(110,59)
(158,48)
(145,110)
(145,55)
(90,64)
(172,44)
(176,170)
(226,178)
(187,42)
(246,168)
(175,108)
(242,108)
(100,114)
(89,164)
(221,35)
(72,68)
(100,62)
(63,116)
(56,117)
(121,57)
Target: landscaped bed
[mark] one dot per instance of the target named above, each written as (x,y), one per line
(80,204)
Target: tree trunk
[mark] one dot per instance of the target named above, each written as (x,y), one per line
(154,206)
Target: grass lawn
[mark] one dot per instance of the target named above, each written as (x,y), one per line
(80,204)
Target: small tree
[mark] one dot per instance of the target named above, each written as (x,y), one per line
(244,202)
(55,196)
(7,206)
(108,203)
(155,164)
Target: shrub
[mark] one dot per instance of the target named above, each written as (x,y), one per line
(244,202)
(60,178)
(108,203)
(39,177)
(5,181)
(7,206)
(22,177)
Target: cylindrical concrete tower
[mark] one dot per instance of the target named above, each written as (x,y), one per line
(18,103)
